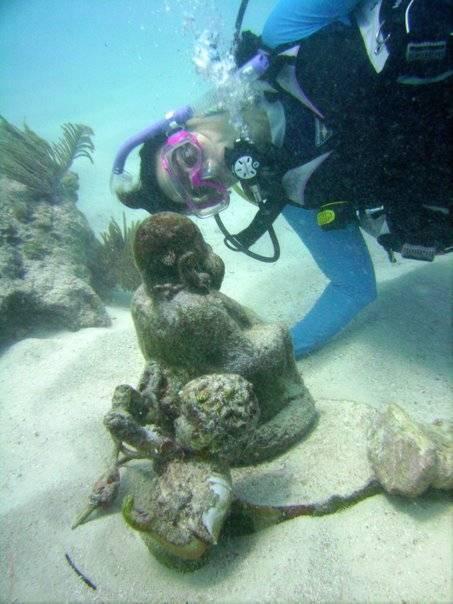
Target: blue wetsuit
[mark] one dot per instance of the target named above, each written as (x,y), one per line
(293,20)
(341,254)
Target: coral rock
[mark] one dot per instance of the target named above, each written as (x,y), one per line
(219,414)
(181,511)
(47,254)
(409,457)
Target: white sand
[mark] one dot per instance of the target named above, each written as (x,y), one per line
(54,393)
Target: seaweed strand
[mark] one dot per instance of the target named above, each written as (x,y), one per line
(79,573)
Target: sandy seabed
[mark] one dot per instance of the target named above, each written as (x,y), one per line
(55,389)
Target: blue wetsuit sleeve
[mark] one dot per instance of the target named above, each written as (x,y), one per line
(293,20)
(343,257)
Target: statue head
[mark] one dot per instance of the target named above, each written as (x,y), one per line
(171,254)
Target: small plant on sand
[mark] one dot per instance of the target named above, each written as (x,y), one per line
(117,254)
(43,167)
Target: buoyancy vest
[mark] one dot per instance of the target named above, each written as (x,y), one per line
(410,39)
(379,135)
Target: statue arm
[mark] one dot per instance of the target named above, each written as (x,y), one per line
(126,423)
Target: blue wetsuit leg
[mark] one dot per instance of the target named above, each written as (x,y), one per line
(343,257)
(293,20)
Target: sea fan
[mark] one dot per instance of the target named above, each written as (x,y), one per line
(29,159)
(117,255)
(76,142)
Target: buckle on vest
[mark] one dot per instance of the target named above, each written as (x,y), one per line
(380,39)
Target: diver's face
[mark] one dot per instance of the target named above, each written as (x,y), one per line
(214,157)
(191,171)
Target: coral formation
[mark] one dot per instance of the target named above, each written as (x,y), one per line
(213,415)
(182,510)
(409,457)
(116,255)
(42,167)
(219,413)
(49,269)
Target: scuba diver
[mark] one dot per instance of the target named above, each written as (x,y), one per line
(350,127)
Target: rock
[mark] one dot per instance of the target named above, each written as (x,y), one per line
(47,266)
(180,509)
(441,433)
(409,457)
(219,413)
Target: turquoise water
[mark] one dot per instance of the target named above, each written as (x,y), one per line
(113,65)
(116,66)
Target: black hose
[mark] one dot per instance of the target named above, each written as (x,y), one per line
(234,243)
(240,15)
(238,23)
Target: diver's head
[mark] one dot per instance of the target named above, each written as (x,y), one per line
(184,172)
(147,193)
(191,171)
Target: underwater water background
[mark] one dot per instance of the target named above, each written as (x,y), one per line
(114,65)
(117,66)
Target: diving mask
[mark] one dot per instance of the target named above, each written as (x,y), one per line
(191,177)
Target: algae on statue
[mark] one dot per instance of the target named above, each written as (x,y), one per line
(184,322)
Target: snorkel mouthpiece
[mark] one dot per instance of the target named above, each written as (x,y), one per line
(256,67)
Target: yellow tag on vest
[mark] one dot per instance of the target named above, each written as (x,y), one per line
(325,217)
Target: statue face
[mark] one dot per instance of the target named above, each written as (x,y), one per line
(167,245)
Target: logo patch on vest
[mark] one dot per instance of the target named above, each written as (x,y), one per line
(426,51)
(322,132)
